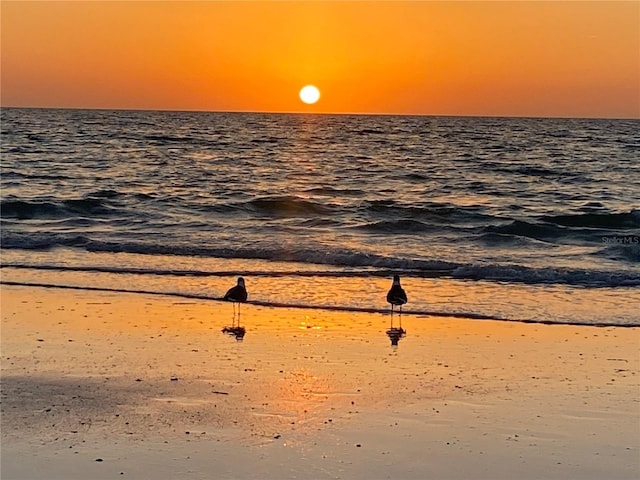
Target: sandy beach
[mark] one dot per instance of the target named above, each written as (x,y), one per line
(99,385)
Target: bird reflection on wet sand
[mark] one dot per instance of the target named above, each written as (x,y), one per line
(395,334)
(235,331)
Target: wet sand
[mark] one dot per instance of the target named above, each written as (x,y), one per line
(103,385)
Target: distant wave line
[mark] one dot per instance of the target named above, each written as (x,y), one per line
(338,308)
(491,273)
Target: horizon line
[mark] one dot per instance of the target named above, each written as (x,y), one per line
(266,112)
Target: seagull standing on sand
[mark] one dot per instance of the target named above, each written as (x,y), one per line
(396,294)
(237,294)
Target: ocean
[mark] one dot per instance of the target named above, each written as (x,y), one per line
(518,219)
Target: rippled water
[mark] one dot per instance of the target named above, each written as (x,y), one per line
(513,218)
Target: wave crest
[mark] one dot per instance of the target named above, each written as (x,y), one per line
(402,226)
(27,210)
(624,220)
(287,206)
(357,263)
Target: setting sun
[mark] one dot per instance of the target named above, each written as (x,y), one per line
(309,94)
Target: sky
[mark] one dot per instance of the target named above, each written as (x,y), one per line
(504,58)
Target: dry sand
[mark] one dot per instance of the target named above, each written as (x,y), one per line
(102,385)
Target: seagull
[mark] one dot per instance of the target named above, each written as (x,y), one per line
(396,294)
(236,294)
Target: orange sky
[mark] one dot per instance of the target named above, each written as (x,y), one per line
(569,59)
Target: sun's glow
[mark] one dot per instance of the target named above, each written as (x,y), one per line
(309,94)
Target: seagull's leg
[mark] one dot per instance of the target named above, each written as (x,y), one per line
(233,320)
(391,318)
(392,315)
(400,317)
(238,314)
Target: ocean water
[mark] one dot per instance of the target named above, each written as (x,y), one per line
(511,218)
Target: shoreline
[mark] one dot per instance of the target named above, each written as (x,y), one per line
(309,393)
(334,308)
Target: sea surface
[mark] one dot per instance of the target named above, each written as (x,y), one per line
(519,219)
